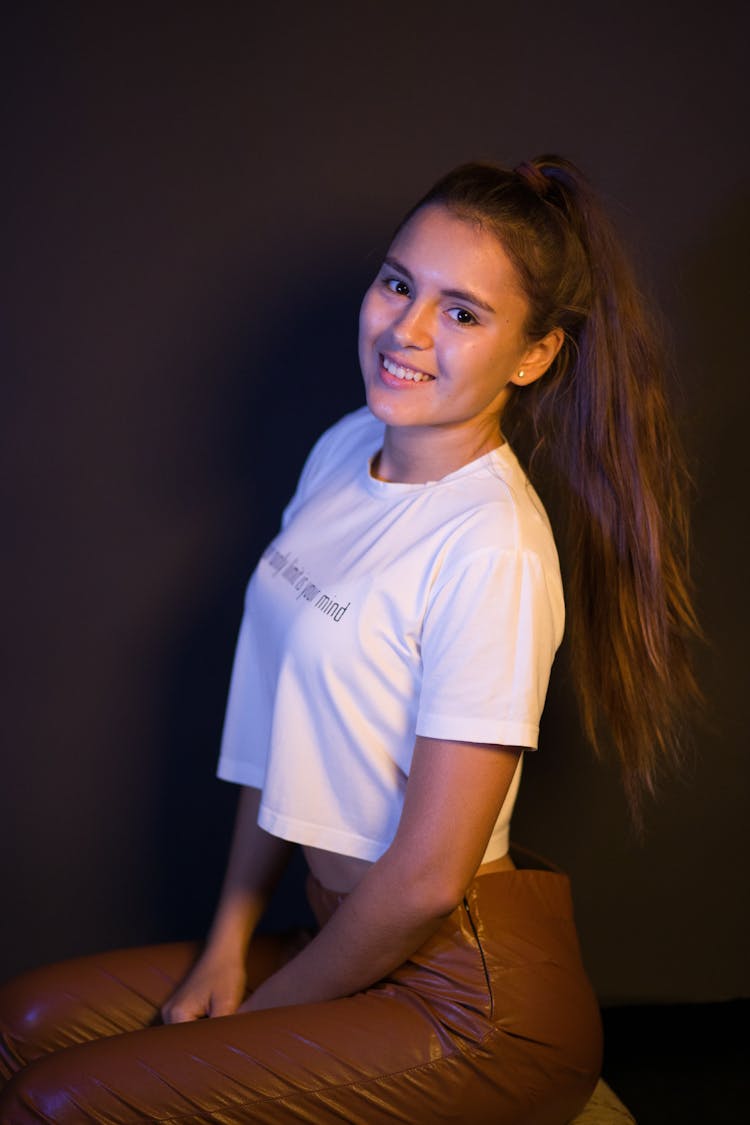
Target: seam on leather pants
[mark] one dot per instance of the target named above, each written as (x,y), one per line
(485,970)
(456,1057)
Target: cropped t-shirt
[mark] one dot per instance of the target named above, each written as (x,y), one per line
(383,611)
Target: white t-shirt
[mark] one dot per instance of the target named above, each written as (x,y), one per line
(382,611)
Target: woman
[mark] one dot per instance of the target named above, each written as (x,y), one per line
(390,674)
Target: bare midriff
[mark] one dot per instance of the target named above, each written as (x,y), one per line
(341,873)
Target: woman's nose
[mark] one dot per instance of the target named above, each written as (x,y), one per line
(413,329)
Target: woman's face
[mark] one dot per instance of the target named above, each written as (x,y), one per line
(442,326)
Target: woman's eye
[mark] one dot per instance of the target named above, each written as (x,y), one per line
(462,316)
(397,285)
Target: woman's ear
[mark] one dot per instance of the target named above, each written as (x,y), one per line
(538,358)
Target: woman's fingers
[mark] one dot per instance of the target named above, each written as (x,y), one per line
(210,990)
(182,1008)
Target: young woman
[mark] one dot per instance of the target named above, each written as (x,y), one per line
(390,674)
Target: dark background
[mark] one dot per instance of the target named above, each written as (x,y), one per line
(197,197)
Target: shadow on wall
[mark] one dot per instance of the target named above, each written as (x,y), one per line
(643,909)
(297,375)
(713,309)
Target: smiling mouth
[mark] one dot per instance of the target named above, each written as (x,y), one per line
(408,374)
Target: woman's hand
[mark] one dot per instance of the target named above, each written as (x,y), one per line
(217,983)
(215,986)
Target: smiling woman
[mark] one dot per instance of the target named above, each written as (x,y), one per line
(385,733)
(437,371)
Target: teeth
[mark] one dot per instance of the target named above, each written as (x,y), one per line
(405,372)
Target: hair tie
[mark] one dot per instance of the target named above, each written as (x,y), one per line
(534,178)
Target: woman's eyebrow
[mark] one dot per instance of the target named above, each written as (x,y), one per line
(457,294)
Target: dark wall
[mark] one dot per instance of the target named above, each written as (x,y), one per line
(198,196)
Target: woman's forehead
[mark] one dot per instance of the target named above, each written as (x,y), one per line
(438,244)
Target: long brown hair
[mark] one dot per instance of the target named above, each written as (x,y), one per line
(599,419)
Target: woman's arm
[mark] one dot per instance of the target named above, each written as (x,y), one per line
(216,984)
(256,863)
(453,796)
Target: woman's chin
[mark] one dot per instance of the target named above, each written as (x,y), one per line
(390,407)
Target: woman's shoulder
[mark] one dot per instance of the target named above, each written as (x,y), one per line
(501,508)
(493,518)
(355,431)
(355,436)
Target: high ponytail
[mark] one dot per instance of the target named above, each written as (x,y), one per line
(599,420)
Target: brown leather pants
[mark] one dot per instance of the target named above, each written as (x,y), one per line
(491,1021)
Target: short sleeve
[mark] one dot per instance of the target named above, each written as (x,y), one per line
(490,634)
(325,455)
(306,479)
(244,738)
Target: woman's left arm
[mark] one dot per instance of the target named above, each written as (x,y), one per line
(453,796)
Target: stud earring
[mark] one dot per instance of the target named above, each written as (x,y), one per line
(520,374)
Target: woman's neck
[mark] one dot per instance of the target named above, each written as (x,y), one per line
(417,454)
